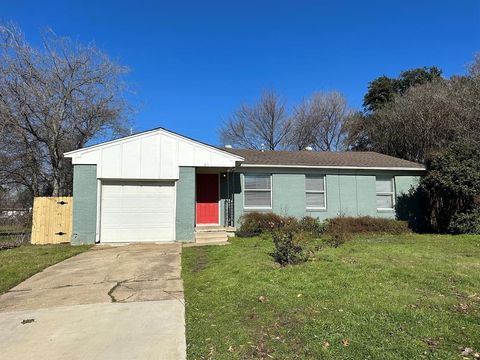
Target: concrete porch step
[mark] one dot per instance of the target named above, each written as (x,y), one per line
(209,238)
(211,242)
(209,228)
(210,234)
(195,244)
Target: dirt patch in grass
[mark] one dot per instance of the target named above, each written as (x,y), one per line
(260,350)
(201,260)
(272,334)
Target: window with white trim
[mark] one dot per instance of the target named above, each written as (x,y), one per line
(315,193)
(385,193)
(257,191)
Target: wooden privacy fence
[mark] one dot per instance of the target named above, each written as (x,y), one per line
(52,220)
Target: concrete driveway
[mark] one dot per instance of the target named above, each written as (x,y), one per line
(122,302)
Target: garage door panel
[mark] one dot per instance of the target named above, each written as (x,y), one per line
(137,211)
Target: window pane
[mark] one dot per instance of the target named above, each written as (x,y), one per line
(314,183)
(384,202)
(384,184)
(315,200)
(257,181)
(257,199)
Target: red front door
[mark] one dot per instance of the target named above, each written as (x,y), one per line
(207,199)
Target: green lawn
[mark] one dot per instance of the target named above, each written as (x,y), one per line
(20,263)
(390,297)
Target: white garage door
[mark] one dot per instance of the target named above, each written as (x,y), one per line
(137,211)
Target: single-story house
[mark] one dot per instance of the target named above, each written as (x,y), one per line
(161,186)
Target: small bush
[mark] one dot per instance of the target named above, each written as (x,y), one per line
(365,224)
(311,226)
(338,236)
(256,223)
(288,247)
(466,223)
(291,237)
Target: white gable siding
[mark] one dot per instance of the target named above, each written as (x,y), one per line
(154,155)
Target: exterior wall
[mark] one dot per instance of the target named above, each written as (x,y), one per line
(84,204)
(403,183)
(349,193)
(185,217)
(288,194)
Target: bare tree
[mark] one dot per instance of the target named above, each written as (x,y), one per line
(319,122)
(304,127)
(53,99)
(474,66)
(262,125)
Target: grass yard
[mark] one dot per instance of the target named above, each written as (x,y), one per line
(384,297)
(20,263)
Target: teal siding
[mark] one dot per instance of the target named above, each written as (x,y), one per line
(366,204)
(185,216)
(403,183)
(288,196)
(349,193)
(84,204)
(332,186)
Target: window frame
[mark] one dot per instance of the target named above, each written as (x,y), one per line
(384,193)
(245,190)
(324,192)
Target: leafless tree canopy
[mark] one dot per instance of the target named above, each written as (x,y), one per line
(474,66)
(262,125)
(319,122)
(52,100)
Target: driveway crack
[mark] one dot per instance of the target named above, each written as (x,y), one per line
(115,287)
(110,292)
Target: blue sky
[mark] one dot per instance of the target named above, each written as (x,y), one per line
(193,62)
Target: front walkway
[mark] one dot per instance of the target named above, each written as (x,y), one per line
(123,302)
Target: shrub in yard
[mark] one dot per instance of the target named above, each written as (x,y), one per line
(338,236)
(452,184)
(413,207)
(465,223)
(288,247)
(311,226)
(365,224)
(256,223)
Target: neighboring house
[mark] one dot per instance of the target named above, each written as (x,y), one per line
(162,186)
(13,212)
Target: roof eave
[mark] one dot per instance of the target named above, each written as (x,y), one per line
(421,169)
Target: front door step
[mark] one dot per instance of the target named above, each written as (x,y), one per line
(210,234)
(209,228)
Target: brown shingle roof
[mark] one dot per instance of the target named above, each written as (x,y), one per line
(323,158)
